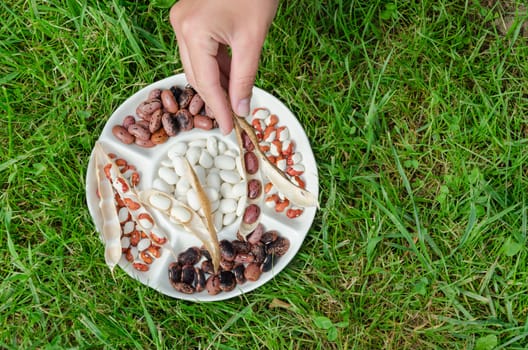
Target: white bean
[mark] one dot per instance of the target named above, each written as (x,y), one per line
(182,186)
(177,150)
(200,143)
(229,218)
(211,193)
(206,160)
(193,154)
(178,163)
(160,202)
(224,162)
(222,147)
(283,135)
(193,200)
(128,227)
(241,206)
(218,218)
(261,113)
(125,242)
(226,190)
(227,205)
(239,189)
(159,184)
(281,164)
(296,158)
(213,180)
(212,146)
(230,176)
(123,214)
(214,205)
(180,214)
(239,166)
(168,175)
(166,162)
(143,244)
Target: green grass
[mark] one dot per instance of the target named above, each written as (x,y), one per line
(417,115)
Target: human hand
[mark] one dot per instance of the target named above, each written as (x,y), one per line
(205,30)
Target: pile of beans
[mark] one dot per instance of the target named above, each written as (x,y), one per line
(218,169)
(241,261)
(164,113)
(276,144)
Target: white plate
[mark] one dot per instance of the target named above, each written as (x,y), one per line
(147,161)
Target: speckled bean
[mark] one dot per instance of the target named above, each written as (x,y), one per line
(196,104)
(139,131)
(122,134)
(169,101)
(203,122)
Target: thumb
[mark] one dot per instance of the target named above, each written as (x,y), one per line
(244,65)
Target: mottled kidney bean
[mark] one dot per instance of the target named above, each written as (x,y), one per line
(254,188)
(129,120)
(155,120)
(251,214)
(144,123)
(149,106)
(122,134)
(251,162)
(160,136)
(213,285)
(196,104)
(269,236)
(278,247)
(227,281)
(184,119)
(169,101)
(145,143)
(185,97)
(154,94)
(203,122)
(255,236)
(252,272)
(139,131)
(170,124)
(246,142)
(238,271)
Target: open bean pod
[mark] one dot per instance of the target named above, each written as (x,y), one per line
(297,195)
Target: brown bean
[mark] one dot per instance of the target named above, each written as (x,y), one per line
(196,104)
(251,214)
(256,234)
(185,97)
(170,124)
(251,162)
(213,285)
(139,131)
(252,272)
(155,120)
(203,122)
(159,137)
(129,120)
(184,119)
(122,134)
(155,94)
(169,102)
(278,247)
(254,188)
(246,142)
(145,143)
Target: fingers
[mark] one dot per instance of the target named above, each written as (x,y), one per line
(244,65)
(207,75)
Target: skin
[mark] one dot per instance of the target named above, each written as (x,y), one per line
(205,31)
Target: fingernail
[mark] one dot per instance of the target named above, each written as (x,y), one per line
(243,107)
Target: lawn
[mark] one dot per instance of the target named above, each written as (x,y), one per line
(417,115)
